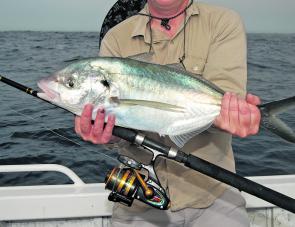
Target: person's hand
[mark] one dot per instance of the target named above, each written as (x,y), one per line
(238,116)
(96,133)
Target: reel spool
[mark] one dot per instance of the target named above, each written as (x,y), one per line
(123,184)
(127,184)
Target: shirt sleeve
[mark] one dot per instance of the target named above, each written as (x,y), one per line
(226,64)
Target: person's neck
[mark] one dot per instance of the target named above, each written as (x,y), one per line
(168,11)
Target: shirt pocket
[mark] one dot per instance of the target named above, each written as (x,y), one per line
(195,64)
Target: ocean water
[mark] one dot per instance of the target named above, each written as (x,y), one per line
(32,131)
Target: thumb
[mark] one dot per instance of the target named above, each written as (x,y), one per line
(253,99)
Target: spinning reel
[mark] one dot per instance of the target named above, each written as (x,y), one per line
(128,184)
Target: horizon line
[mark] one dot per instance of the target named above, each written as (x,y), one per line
(98,31)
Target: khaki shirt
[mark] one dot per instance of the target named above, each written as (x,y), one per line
(215,47)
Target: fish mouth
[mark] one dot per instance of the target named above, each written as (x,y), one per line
(47,94)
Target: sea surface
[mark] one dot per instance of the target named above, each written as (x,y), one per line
(34,132)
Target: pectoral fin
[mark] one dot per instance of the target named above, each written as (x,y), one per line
(146,103)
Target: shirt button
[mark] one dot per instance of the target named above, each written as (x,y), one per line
(196,68)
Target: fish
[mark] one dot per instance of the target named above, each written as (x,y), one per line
(149,97)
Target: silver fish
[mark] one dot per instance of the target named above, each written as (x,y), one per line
(142,96)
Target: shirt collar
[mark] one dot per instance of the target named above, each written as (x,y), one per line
(141,28)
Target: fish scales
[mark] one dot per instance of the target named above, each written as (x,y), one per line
(142,96)
(152,78)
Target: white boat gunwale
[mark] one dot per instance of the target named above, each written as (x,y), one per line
(83,200)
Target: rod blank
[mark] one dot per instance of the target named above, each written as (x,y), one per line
(193,162)
(21,87)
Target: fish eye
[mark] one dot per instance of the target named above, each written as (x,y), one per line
(70,83)
(105,83)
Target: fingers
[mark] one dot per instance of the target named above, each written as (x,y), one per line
(255,113)
(85,121)
(253,99)
(255,119)
(222,121)
(98,124)
(233,114)
(244,121)
(238,116)
(107,133)
(95,133)
(225,110)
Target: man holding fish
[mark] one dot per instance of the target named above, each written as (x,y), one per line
(204,40)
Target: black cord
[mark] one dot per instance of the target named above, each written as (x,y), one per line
(184,44)
(164,23)
(151,35)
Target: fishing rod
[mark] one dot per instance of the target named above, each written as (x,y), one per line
(124,182)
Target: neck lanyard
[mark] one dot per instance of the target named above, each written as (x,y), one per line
(165,24)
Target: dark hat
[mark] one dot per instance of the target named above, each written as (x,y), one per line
(120,11)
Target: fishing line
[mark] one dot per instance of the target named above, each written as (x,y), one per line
(195,163)
(59,135)
(34,93)
(6,137)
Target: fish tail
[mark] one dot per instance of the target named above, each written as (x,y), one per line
(271,122)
